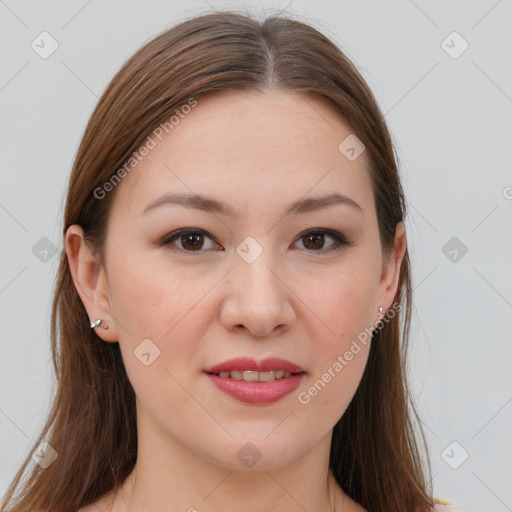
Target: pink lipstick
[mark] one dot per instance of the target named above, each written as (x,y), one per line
(256,382)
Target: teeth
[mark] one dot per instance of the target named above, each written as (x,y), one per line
(266,376)
(252,376)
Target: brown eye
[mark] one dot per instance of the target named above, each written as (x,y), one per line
(192,242)
(189,241)
(315,240)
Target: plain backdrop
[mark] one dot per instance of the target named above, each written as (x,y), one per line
(442,73)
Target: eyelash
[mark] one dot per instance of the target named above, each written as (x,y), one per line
(340,242)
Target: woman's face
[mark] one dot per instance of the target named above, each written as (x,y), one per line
(226,268)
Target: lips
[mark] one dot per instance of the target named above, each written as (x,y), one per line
(247,364)
(256,382)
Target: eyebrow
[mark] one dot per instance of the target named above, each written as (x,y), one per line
(208,204)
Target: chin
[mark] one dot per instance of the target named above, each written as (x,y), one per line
(258,453)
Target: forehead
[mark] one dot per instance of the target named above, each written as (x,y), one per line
(272,147)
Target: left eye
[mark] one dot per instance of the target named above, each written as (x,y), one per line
(315,240)
(193,240)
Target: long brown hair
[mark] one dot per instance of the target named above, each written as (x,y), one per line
(374,455)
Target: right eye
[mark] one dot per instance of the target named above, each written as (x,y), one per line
(189,240)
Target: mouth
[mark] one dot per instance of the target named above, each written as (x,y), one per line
(257,383)
(255,376)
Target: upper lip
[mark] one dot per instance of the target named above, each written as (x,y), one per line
(249,364)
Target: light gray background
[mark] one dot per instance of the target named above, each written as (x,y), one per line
(452,124)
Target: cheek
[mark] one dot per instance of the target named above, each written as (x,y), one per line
(345,303)
(160,305)
(158,316)
(144,303)
(152,300)
(340,363)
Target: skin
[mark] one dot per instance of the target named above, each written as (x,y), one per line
(299,300)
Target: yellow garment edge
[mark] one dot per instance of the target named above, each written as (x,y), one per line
(442,502)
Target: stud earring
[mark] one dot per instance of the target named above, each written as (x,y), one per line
(97,323)
(380,313)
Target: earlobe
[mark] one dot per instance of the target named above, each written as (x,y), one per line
(89,279)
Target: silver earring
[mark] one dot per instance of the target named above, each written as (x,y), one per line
(97,323)
(380,313)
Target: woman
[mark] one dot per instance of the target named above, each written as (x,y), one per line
(226,322)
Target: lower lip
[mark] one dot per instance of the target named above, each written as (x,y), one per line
(258,393)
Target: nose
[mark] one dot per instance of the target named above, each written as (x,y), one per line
(258,297)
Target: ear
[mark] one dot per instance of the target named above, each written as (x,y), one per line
(391,269)
(90,281)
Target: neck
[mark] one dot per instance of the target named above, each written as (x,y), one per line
(169,477)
